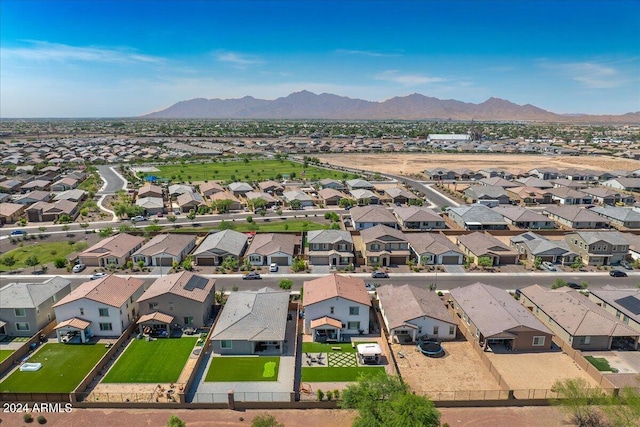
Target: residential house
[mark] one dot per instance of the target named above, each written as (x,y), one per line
(189,201)
(531,246)
(165,249)
(495,173)
(619,217)
(524,218)
(10,212)
(418,218)
(302,197)
(26,308)
(574,174)
(609,197)
(568,196)
(476,217)
(101,307)
(433,248)
(498,182)
(209,188)
(235,204)
(599,247)
(151,205)
(439,174)
(269,200)
(331,197)
(627,184)
(574,185)
(369,216)
(576,217)
(475,193)
(359,184)
(177,190)
(116,250)
(217,247)
(330,247)
(183,298)
(75,195)
(252,323)
(400,196)
(495,318)
(622,303)
(576,319)
(332,183)
(150,190)
(410,312)
(271,187)
(529,196)
(44,211)
(477,245)
(535,183)
(36,184)
(240,188)
(546,173)
(335,307)
(33,197)
(64,184)
(384,246)
(273,248)
(365,197)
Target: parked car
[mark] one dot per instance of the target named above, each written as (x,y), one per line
(78,268)
(138,218)
(273,267)
(574,285)
(98,276)
(371,287)
(548,266)
(18,233)
(617,273)
(251,276)
(626,264)
(379,275)
(160,215)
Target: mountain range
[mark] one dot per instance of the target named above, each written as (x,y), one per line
(307,105)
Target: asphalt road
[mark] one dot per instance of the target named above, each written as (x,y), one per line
(426,190)
(114,182)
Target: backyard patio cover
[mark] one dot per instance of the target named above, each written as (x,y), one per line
(370,349)
(73,323)
(326,321)
(156,316)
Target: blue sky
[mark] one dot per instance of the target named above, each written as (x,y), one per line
(127,58)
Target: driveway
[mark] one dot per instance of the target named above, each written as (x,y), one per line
(626,362)
(113,180)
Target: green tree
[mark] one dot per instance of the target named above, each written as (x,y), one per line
(265,420)
(174,421)
(559,283)
(172,219)
(295,204)
(230,263)
(249,219)
(65,228)
(345,203)
(578,263)
(226,225)
(222,206)
(187,264)
(32,261)
(485,262)
(285,284)
(416,202)
(84,225)
(60,262)
(8,260)
(537,262)
(624,410)
(298,264)
(258,204)
(105,232)
(191,215)
(578,399)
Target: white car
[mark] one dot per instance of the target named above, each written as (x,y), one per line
(273,267)
(98,276)
(78,268)
(138,218)
(548,266)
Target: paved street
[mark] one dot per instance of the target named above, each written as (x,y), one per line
(113,180)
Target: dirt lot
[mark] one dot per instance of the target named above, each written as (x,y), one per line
(459,370)
(405,163)
(542,369)
(456,417)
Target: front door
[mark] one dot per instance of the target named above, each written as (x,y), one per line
(384,262)
(334,261)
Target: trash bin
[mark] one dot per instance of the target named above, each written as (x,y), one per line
(33,346)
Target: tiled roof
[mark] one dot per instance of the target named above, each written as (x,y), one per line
(229,241)
(116,246)
(184,284)
(372,214)
(402,304)
(269,243)
(156,316)
(172,244)
(30,295)
(110,290)
(335,285)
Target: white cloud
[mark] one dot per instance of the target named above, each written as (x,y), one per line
(45,51)
(365,53)
(592,75)
(407,79)
(239,60)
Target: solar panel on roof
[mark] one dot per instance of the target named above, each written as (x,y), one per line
(528,237)
(631,303)
(196,282)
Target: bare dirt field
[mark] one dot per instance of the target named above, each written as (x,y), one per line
(460,371)
(458,417)
(542,369)
(405,163)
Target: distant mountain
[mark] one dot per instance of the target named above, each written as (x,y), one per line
(307,105)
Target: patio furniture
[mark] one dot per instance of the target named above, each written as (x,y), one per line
(336,348)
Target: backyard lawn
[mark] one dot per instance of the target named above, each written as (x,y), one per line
(342,365)
(157,361)
(231,369)
(63,367)
(4,354)
(46,252)
(254,170)
(600,363)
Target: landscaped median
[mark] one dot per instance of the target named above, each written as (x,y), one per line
(157,361)
(64,366)
(340,363)
(236,369)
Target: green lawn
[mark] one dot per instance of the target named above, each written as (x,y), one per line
(230,369)
(275,225)
(323,375)
(255,170)
(157,361)
(600,363)
(316,347)
(63,367)
(4,354)
(46,252)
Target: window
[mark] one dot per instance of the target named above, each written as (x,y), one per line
(153,305)
(332,310)
(20,312)
(353,325)
(255,258)
(538,341)
(587,340)
(82,312)
(49,317)
(188,320)
(452,330)
(342,247)
(106,327)
(170,305)
(373,259)
(22,326)
(435,329)
(104,312)
(226,344)
(375,247)
(54,298)
(354,311)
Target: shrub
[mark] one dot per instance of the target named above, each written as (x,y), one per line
(60,262)
(27,418)
(329,395)
(42,420)
(336,394)
(320,394)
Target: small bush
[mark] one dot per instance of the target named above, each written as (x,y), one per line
(336,394)
(320,394)
(329,395)
(28,418)
(41,419)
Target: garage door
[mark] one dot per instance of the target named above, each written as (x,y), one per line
(164,262)
(398,260)
(451,259)
(280,260)
(319,260)
(205,261)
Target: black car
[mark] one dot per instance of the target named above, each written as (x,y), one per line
(251,276)
(379,275)
(617,273)
(574,285)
